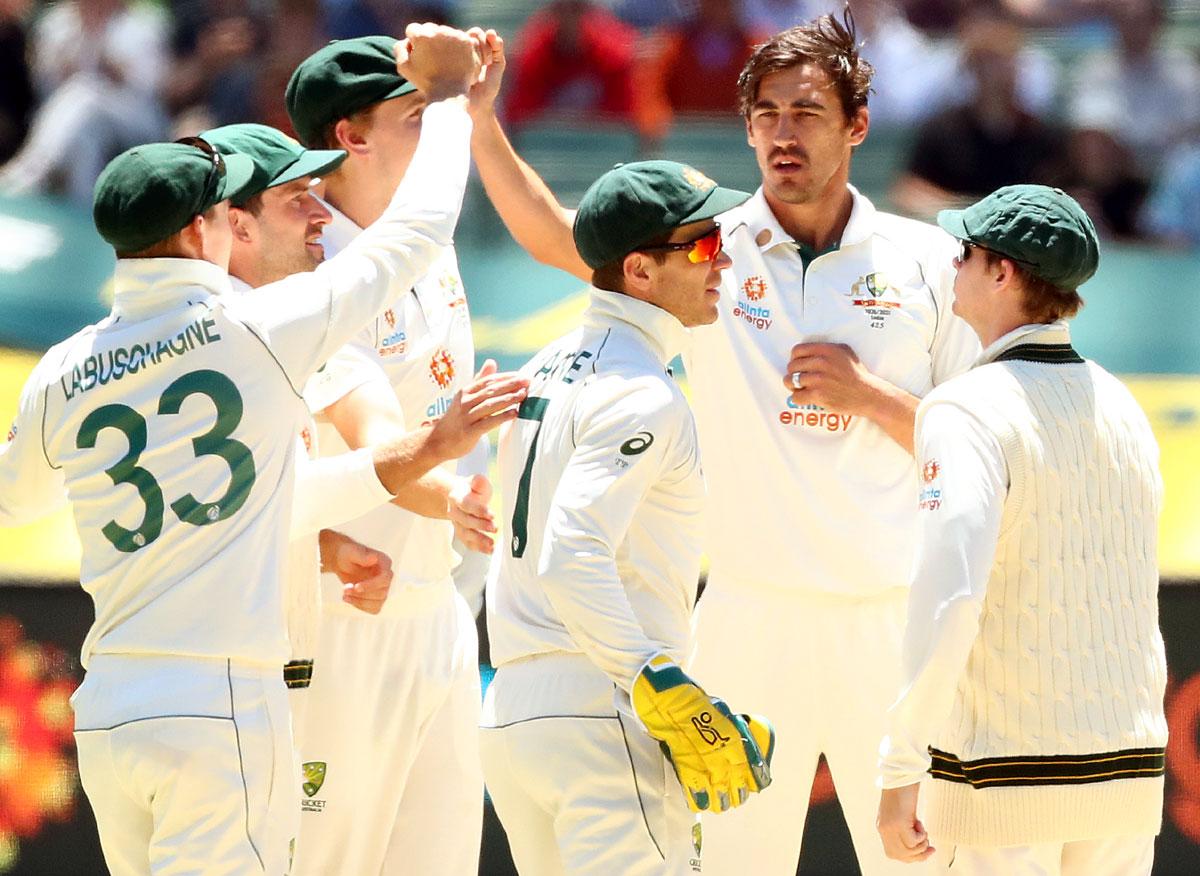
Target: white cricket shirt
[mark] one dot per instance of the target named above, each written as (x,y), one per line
(807,497)
(422,346)
(329,492)
(599,549)
(171,425)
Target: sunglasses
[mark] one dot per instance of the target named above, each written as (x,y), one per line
(966,247)
(699,249)
(216,172)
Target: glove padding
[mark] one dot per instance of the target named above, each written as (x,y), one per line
(719,757)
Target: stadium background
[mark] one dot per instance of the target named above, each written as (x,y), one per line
(1141,321)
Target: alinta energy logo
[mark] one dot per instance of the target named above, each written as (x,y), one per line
(37,769)
(395,343)
(813,417)
(441,368)
(754,289)
(931,494)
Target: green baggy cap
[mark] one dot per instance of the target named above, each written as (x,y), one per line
(149,192)
(634,203)
(277,158)
(340,79)
(1043,229)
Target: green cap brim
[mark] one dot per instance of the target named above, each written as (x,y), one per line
(952,222)
(314,162)
(239,170)
(400,90)
(719,200)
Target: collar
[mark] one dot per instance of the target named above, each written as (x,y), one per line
(143,287)
(1038,342)
(239,286)
(340,231)
(758,217)
(664,333)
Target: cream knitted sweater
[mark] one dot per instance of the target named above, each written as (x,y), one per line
(1035,608)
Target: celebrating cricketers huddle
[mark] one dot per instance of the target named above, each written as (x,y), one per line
(952,596)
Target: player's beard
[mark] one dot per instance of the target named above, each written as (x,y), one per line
(282,263)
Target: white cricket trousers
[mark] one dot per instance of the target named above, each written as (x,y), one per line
(188,764)
(1114,856)
(580,788)
(824,669)
(390,746)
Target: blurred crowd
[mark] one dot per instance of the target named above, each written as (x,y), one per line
(1099,97)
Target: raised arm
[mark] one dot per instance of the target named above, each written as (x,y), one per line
(525,203)
(308,317)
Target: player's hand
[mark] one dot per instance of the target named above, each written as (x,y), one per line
(491,400)
(718,759)
(481,99)
(365,572)
(830,375)
(440,61)
(467,506)
(904,837)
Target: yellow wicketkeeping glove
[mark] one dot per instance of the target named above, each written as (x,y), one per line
(720,758)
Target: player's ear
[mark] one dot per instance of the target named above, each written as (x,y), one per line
(350,136)
(859,123)
(635,271)
(242,224)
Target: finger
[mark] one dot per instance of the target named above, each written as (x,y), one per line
(482,523)
(475,540)
(474,407)
(370,606)
(495,405)
(481,487)
(403,51)
(495,421)
(489,367)
(375,587)
(493,385)
(477,508)
(914,836)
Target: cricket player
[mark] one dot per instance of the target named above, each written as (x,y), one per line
(170,427)
(277,221)
(810,523)
(391,723)
(590,596)
(1033,666)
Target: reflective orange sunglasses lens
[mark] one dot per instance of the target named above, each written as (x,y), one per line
(705,249)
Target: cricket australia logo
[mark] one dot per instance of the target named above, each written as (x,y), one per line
(703,725)
(871,293)
(697,180)
(314,778)
(441,368)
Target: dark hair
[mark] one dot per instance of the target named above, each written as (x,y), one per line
(252,205)
(611,276)
(830,44)
(1043,301)
(327,136)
